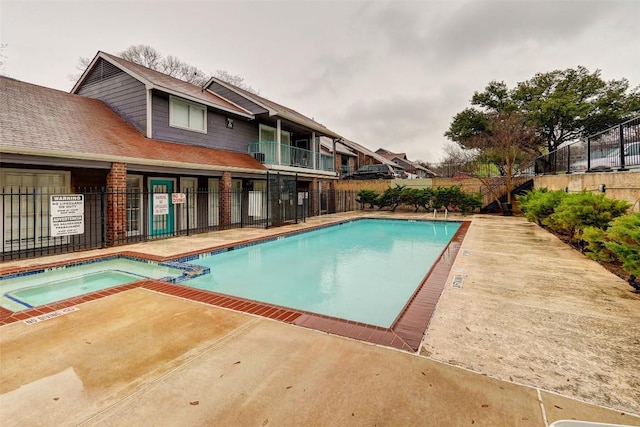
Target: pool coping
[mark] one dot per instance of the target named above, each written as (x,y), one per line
(406,332)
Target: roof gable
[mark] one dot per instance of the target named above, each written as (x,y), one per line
(156,80)
(364,150)
(275,109)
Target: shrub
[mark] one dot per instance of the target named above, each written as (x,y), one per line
(595,239)
(470,202)
(417,197)
(538,204)
(580,210)
(390,197)
(623,239)
(367,197)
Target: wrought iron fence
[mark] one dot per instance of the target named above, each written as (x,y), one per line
(617,148)
(473,169)
(34,224)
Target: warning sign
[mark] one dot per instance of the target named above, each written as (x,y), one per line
(177,198)
(66,215)
(161,204)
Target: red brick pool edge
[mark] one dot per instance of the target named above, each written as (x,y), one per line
(405,333)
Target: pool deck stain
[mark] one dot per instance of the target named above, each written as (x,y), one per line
(140,357)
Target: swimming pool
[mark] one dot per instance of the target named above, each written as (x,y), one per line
(22,291)
(363,271)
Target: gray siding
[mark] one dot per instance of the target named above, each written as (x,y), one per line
(217,136)
(236,99)
(121,92)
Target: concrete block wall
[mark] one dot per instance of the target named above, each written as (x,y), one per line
(617,185)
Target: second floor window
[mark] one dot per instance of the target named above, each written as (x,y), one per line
(187,115)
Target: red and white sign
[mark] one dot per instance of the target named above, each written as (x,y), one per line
(178,198)
(161,204)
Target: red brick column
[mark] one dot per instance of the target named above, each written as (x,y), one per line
(117,204)
(225,199)
(314,208)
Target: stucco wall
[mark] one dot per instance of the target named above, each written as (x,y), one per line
(618,185)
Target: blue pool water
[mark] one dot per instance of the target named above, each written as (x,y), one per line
(363,270)
(30,290)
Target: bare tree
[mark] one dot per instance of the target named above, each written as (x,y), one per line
(146,56)
(509,144)
(171,65)
(3,58)
(235,80)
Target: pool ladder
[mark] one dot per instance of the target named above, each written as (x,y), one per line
(446,213)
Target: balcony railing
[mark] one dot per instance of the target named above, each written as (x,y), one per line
(266,153)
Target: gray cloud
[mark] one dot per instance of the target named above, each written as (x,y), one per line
(444,35)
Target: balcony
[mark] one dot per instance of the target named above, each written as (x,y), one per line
(266,153)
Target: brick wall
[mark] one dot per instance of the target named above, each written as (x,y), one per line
(225,199)
(116,204)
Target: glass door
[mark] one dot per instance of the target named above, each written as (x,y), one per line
(161,210)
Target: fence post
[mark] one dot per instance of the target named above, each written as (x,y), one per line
(621,135)
(588,153)
(103,219)
(188,208)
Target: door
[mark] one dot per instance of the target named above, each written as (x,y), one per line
(161,214)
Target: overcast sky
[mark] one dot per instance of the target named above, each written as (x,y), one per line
(384,74)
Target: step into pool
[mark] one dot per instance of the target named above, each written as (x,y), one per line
(19,292)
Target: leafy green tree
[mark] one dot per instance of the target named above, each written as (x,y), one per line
(562,105)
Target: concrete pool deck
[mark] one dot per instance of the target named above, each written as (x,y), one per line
(498,351)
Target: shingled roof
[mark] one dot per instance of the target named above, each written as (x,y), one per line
(163,82)
(35,120)
(276,109)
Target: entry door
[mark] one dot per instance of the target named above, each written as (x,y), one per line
(161,212)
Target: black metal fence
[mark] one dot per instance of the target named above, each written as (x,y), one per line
(45,221)
(617,148)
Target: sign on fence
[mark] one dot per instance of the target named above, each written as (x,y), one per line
(178,198)
(161,204)
(66,215)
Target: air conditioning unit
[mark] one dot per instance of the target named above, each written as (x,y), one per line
(259,157)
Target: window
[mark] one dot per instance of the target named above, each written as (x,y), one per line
(134,205)
(189,186)
(24,210)
(187,115)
